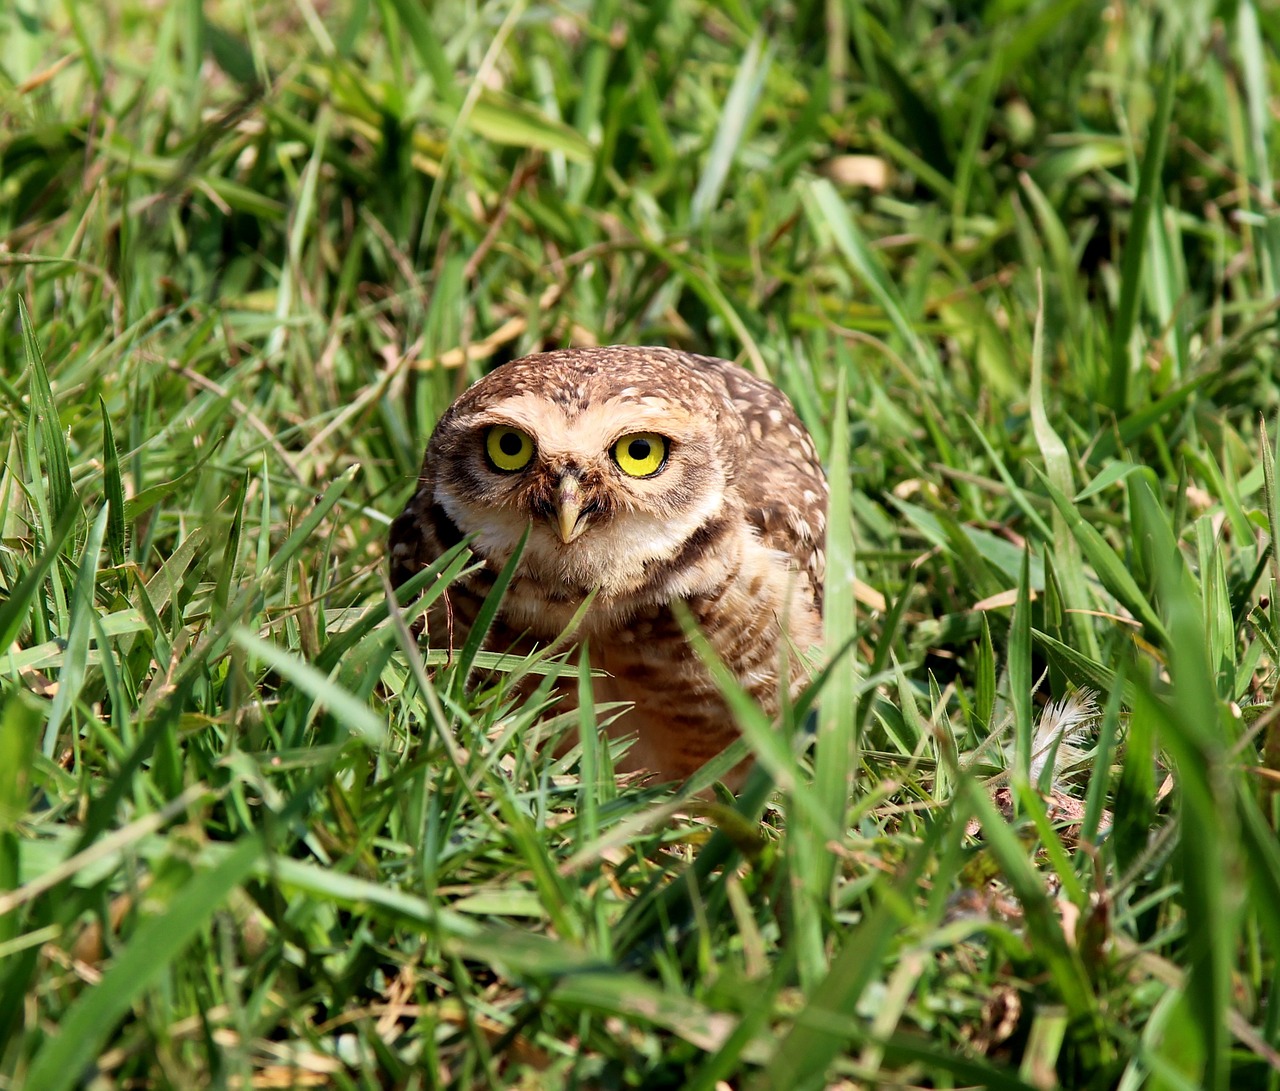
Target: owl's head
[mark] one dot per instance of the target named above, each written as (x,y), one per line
(612,458)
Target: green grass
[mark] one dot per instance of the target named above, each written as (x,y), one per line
(250,251)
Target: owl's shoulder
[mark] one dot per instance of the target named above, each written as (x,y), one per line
(781,482)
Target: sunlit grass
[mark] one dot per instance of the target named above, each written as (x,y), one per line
(248,834)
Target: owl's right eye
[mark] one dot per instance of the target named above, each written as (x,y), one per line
(509,449)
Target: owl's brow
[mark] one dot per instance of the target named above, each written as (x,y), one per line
(604,423)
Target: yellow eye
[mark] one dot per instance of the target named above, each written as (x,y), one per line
(641,454)
(509,449)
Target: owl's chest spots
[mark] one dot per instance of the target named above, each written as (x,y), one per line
(754,621)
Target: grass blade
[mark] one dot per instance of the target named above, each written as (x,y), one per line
(352,714)
(83,615)
(804,1053)
(836,754)
(738,108)
(1057,464)
(23,594)
(1021,681)
(1126,318)
(1111,570)
(45,412)
(64,1057)
(117,543)
(485,616)
(826,208)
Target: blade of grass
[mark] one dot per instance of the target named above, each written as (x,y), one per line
(71,677)
(734,118)
(1193,728)
(348,711)
(836,747)
(90,1020)
(1113,573)
(20,719)
(1066,970)
(1057,462)
(117,543)
(485,617)
(1020,677)
(826,209)
(1135,249)
(803,1054)
(56,460)
(23,594)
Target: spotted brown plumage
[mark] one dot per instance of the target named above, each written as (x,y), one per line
(731,522)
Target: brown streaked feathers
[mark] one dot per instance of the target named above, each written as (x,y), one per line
(732,523)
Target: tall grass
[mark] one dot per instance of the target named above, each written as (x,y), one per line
(1016,266)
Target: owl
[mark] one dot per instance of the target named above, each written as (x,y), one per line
(648,477)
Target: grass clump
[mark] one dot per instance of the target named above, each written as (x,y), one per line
(1016,266)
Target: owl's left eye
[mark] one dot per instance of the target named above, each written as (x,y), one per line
(641,454)
(509,449)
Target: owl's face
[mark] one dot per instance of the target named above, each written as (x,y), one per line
(609,473)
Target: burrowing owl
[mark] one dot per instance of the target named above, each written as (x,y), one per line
(648,476)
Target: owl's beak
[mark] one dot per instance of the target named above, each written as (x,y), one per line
(568,509)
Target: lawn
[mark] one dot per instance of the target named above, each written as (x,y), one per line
(1015,262)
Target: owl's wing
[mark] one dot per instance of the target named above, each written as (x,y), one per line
(419,535)
(417,538)
(780,480)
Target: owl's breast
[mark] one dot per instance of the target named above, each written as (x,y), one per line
(543,610)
